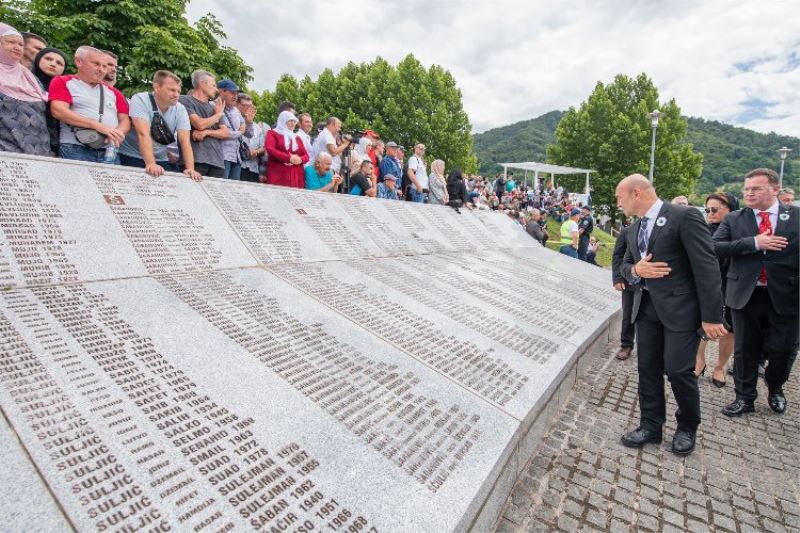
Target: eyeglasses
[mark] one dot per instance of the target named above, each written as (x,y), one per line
(714,209)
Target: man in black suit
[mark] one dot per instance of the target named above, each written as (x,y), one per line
(628,330)
(762,289)
(670,262)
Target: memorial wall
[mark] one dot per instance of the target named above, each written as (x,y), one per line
(218,356)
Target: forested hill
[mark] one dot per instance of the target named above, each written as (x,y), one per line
(521,141)
(729,151)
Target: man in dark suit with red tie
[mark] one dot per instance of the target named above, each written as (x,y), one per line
(762,289)
(670,262)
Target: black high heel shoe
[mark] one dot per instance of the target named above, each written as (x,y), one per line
(702,372)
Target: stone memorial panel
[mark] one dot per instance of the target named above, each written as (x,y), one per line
(64,222)
(180,356)
(131,425)
(483,336)
(281,225)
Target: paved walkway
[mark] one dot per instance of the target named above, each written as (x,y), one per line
(743,476)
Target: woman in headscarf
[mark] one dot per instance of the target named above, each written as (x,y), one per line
(287,155)
(437,185)
(49,63)
(23,128)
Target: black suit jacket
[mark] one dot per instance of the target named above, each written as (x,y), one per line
(735,238)
(692,292)
(617,256)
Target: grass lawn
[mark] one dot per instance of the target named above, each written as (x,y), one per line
(603,254)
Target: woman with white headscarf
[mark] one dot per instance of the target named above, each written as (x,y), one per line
(286,152)
(23,125)
(437,184)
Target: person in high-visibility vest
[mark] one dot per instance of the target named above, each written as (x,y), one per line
(570,234)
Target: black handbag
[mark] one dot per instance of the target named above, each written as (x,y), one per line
(158,126)
(89,137)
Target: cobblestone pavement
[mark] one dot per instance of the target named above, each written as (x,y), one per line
(743,476)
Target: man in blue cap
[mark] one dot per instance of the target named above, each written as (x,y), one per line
(570,233)
(233,119)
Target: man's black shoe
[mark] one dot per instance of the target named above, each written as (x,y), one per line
(640,436)
(738,408)
(777,401)
(683,442)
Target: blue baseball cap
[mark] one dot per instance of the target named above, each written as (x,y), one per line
(227,85)
(575,211)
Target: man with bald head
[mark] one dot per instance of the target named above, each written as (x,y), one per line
(670,262)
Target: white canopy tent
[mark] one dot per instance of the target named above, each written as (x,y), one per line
(545,168)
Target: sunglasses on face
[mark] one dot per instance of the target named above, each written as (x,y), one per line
(713,210)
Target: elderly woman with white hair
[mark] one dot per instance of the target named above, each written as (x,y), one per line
(437,184)
(23,102)
(286,152)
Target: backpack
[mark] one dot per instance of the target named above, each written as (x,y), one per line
(406,180)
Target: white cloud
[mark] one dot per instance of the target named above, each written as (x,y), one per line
(517,59)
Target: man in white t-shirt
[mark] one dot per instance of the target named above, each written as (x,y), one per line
(418,188)
(140,149)
(326,142)
(304,128)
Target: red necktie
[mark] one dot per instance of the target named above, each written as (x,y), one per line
(765,228)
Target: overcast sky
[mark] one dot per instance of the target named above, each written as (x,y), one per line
(736,61)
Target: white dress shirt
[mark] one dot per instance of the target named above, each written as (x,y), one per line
(652,216)
(773,218)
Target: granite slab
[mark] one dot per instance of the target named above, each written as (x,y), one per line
(283,225)
(223,355)
(476,340)
(27,504)
(64,222)
(258,408)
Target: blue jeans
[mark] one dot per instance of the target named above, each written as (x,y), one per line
(415,196)
(233,171)
(128,161)
(78,152)
(567,249)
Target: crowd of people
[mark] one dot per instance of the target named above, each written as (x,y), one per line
(210,130)
(731,278)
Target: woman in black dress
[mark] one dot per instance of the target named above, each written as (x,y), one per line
(718,206)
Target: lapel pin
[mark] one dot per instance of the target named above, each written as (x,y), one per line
(660,221)
(784,216)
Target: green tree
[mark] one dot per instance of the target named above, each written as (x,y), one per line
(610,133)
(147,35)
(407,103)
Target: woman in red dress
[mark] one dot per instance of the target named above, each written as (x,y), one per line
(287,155)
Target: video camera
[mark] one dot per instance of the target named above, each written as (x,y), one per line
(353,136)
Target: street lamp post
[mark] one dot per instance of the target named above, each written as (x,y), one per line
(784,152)
(654,122)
